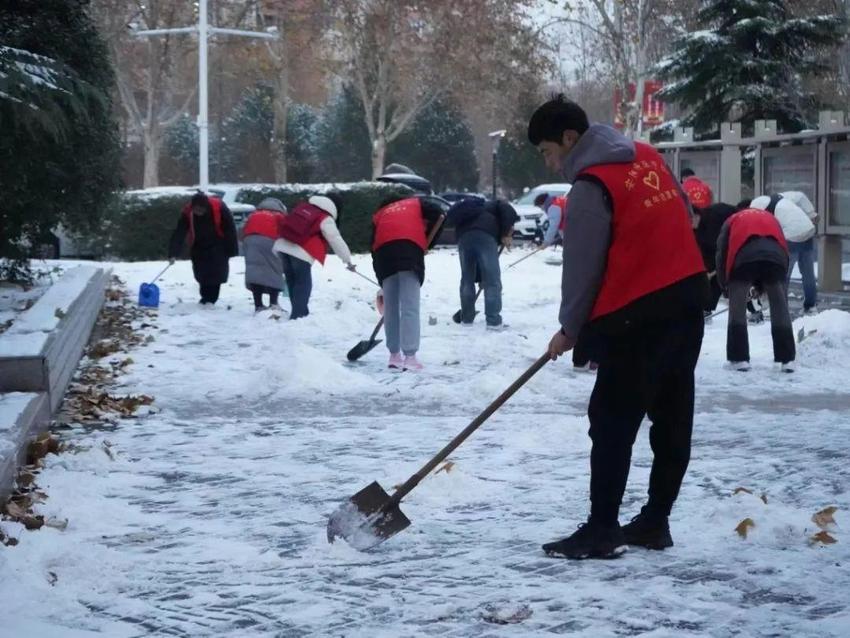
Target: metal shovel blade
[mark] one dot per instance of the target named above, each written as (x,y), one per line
(365,520)
(362,348)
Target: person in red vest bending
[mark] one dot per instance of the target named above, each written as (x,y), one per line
(263,266)
(556,212)
(633,272)
(698,192)
(752,250)
(305,234)
(207,225)
(400,231)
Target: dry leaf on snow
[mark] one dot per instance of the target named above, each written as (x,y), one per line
(738,490)
(447,467)
(744,526)
(822,537)
(824,518)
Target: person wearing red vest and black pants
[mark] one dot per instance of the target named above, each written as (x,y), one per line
(263,266)
(698,192)
(633,271)
(305,234)
(752,250)
(207,225)
(400,230)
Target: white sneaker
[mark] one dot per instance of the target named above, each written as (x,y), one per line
(737,366)
(788,366)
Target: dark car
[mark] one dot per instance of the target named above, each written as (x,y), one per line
(417,183)
(447,234)
(456,196)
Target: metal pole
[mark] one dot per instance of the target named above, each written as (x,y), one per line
(203,115)
(495,156)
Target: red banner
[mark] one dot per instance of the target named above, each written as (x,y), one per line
(653,109)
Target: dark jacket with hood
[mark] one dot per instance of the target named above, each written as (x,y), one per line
(496,217)
(589,238)
(210,253)
(712,219)
(397,256)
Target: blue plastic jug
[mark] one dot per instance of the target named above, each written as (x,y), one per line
(149,295)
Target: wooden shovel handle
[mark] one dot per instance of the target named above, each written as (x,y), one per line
(413,481)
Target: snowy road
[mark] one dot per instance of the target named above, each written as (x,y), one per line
(210,519)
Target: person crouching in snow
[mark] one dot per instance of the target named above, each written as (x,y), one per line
(263,266)
(304,236)
(751,250)
(207,225)
(401,229)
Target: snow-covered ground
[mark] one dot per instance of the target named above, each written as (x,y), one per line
(210,521)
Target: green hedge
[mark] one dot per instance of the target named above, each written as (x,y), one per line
(360,200)
(140,225)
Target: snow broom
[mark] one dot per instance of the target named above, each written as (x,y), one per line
(372,516)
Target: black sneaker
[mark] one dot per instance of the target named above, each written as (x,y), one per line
(649,532)
(590,540)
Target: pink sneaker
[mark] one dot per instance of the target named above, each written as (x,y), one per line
(412,363)
(395,361)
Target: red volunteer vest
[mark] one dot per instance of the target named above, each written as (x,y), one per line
(263,222)
(652,241)
(698,192)
(561,202)
(215,205)
(751,223)
(301,226)
(401,220)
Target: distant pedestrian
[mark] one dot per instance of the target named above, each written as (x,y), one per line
(698,192)
(400,231)
(263,266)
(707,223)
(751,251)
(798,217)
(306,233)
(556,213)
(481,227)
(206,224)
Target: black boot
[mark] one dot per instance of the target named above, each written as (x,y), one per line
(590,540)
(651,532)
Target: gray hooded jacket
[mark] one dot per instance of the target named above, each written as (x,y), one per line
(587,236)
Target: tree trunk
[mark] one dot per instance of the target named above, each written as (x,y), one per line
(379,150)
(152,147)
(278,150)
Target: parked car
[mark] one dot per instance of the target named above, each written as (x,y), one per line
(447,234)
(228,193)
(417,183)
(456,196)
(530,216)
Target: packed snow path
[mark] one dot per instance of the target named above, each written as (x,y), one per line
(211,519)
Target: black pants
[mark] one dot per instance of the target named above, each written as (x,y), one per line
(648,371)
(258,291)
(209,293)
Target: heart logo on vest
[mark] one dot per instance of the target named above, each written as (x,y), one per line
(652,180)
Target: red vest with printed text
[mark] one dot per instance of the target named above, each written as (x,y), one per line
(748,223)
(301,226)
(561,202)
(652,241)
(215,206)
(401,220)
(698,192)
(263,222)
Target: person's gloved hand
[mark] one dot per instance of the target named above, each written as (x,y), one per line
(351,266)
(171,261)
(507,240)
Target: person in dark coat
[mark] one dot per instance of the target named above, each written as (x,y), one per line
(206,224)
(752,251)
(707,224)
(400,231)
(482,226)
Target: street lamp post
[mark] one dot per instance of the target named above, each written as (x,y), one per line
(204,30)
(496,138)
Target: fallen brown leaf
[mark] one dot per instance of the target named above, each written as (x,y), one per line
(822,537)
(447,467)
(744,526)
(824,518)
(738,490)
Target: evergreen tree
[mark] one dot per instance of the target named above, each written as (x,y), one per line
(439,146)
(302,123)
(55,174)
(342,144)
(520,164)
(749,62)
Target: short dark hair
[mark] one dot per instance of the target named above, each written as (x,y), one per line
(336,198)
(541,199)
(687,172)
(552,118)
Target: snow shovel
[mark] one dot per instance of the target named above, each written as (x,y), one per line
(365,346)
(456,317)
(372,516)
(149,293)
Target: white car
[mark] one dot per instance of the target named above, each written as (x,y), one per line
(228,193)
(530,216)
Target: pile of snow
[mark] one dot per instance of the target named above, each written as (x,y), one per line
(824,338)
